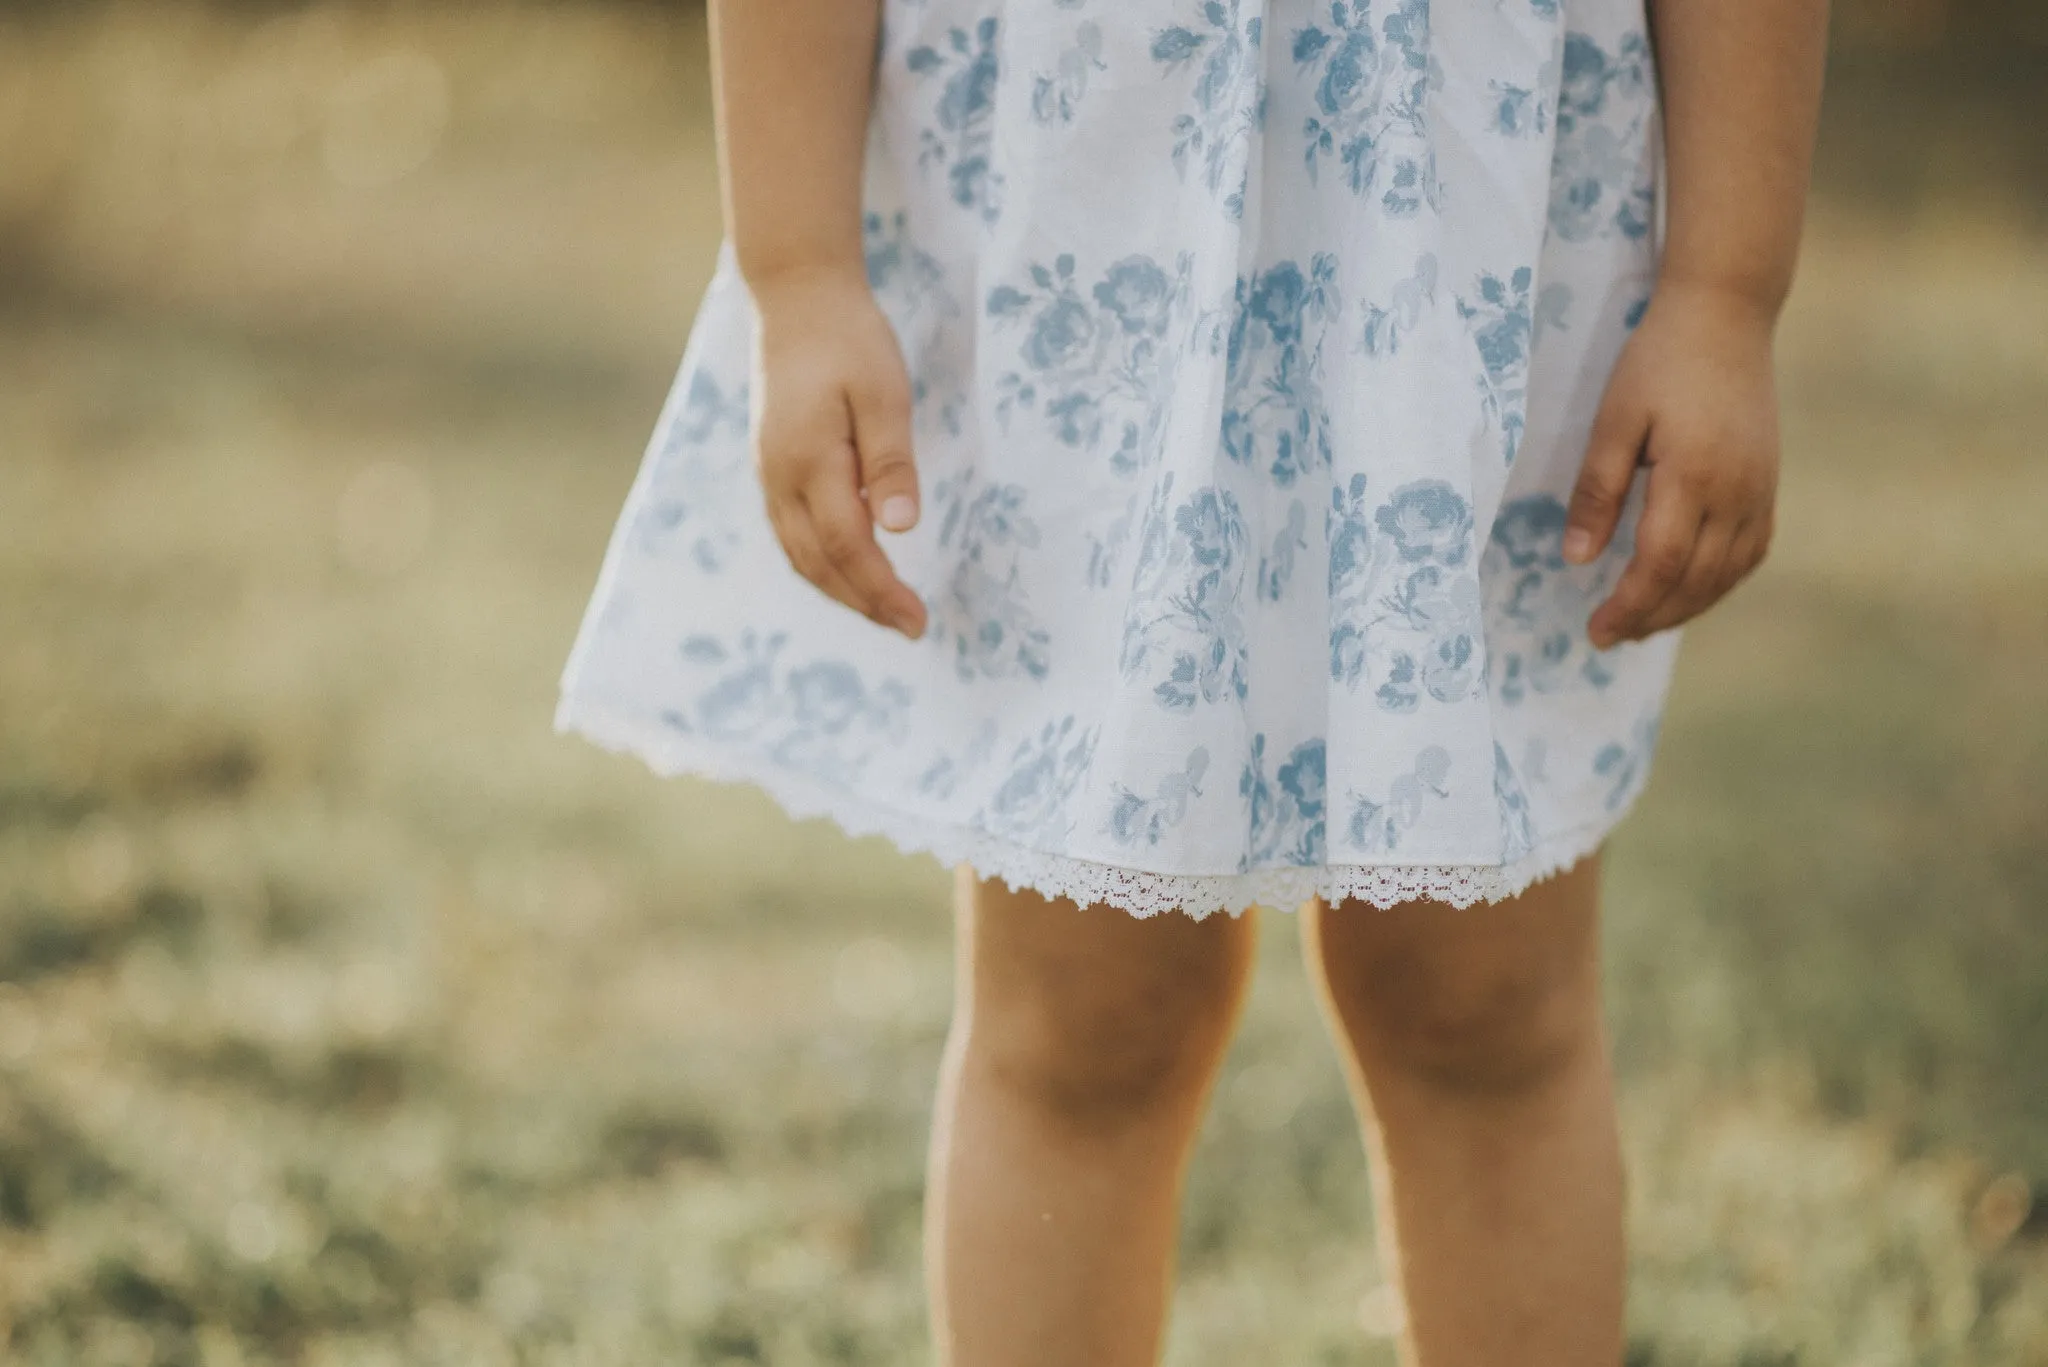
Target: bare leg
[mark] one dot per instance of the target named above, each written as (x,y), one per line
(1479,1066)
(1084,1045)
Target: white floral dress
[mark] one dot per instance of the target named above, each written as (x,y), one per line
(1254,346)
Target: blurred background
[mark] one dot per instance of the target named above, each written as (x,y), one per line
(350,1016)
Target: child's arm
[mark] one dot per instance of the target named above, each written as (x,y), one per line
(1692,396)
(792,82)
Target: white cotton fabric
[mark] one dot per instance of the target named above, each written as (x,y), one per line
(1255,346)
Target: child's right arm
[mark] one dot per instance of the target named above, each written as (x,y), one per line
(792,82)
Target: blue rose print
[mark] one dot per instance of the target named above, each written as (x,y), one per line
(1429,522)
(910,285)
(1371,99)
(1186,599)
(1030,804)
(702,453)
(982,615)
(820,719)
(1097,367)
(1601,183)
(1504,324)
(1229,95)
(1284,813)
(1537,605)
(961,135)
(1404,598)
(1274,416)
(1626,765)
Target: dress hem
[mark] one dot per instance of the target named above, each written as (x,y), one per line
(1140,892)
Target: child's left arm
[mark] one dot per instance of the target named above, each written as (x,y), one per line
(1692,397)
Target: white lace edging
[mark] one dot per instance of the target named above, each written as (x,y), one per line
(1088,881)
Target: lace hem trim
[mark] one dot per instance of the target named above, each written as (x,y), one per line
(1086,881)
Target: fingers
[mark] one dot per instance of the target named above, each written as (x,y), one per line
(1724,553)
(880,404)
(1665,540)
(800,543)
(1619,431)
(817,513)
(846,536)
(1706,579)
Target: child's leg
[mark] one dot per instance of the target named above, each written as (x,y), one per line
(1084,1045)
(1478,1061)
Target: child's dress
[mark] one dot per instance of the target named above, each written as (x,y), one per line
(1254,345)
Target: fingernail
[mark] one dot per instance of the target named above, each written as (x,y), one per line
(898,512)
(1577,542)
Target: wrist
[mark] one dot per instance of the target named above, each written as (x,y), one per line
(795,278)
(1749,301)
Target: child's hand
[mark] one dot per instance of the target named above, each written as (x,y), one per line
(1692,398)
(832,439)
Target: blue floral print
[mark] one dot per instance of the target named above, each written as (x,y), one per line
(982,616)
(1253,347)
(1430,523)
(1626,764)
(1538,604)
(1601,183)
(1504,327)
(910,284)
(1372,86)
(942,777)
(1274,417)
(1056,96)
(1031,801)
(1386,324)
(1229,94)
(1136,820)
(700,462)
(1378,826)
(820,717)
(960,137)
(1276,567)
(1185,599)
(1519,112)
(1284,813)
(1404,599)
(1094,364)
(1517,829)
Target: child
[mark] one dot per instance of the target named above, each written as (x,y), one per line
(1297,426)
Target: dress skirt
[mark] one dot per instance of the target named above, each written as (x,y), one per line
(1255,345)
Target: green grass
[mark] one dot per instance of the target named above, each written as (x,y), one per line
(349,1015)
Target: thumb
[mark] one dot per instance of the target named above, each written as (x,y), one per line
(881,406)
(1604,478)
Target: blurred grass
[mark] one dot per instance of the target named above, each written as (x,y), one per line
(347,1015)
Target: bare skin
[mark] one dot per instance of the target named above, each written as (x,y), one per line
(1084,1049)
(1692,397)
(1084,1046)
(792,82)
(1085,1041)
(1477,1055)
